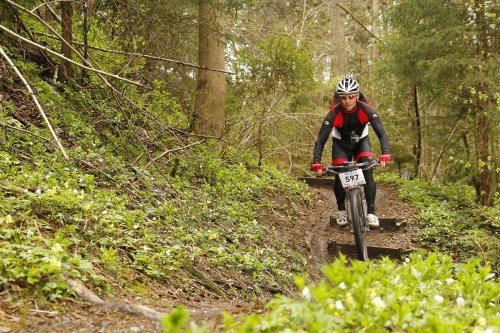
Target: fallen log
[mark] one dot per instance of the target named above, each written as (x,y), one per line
(124,306)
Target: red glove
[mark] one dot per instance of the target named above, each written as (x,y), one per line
(318,167)
(384,158)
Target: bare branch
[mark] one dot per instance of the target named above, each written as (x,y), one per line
(124,306)
(359,22)
(48,3)
(90,165)
(39,107)
(67,59)
(26,132)
(172,150)
(147,56)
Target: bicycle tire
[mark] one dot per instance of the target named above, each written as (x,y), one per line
(356,215)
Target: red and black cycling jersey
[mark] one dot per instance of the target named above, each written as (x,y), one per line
(342,123)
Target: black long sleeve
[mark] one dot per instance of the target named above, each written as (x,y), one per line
(324,133)
(381,134)
(379,129)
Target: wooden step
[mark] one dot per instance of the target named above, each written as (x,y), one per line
(318,182)
(386,223)
(373,251)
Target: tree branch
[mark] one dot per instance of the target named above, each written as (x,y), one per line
(67,59)
(124,306)
(172,150)
(359,22)
(49,2)
(147,56)
(39,107)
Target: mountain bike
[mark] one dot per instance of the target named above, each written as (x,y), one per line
(352,178)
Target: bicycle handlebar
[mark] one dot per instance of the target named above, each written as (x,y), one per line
(336,169)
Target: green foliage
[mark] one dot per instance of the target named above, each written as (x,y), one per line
(27,259)
(177,320)
(436,48)
(278,64)
(423,294)
(450,219)
(202,211)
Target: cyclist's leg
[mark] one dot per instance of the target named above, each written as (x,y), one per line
(340,156)
(364,154)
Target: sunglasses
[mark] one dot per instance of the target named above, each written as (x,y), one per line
(345,97)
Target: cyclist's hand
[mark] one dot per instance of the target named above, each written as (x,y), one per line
(318,168)
(384,158)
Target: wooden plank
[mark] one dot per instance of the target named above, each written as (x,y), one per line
(318,182)
(386,223)
(373,251)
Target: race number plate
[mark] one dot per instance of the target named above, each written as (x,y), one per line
(352,178)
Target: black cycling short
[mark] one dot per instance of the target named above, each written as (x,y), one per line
(342,151)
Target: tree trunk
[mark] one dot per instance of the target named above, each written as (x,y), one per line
(260,139)
(375,13)
(483,121)
(209,113)
(418,152)
(443,150)
(375,24)
(85,5)
(475,180)
(67,34)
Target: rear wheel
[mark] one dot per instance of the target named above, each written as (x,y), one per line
(356,215)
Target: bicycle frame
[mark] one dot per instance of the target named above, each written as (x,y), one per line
(355,204)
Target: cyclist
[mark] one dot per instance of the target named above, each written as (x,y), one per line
(348,122)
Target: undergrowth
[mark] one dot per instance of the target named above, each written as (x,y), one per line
(426,293)
(100,216)
(451,221)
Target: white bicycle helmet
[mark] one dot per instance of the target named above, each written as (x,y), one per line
(348,85)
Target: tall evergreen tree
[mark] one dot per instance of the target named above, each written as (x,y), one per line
(444,49)
(211,88)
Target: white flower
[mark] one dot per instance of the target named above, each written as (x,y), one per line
(342,285)
(136,226)
(460,301)
(439,298)
(407,260)
(38,191)
(57,248)
(449,281)
(29,233)
(349,299)
(306,294)
(54,263)
(339,305)
(439,282)
(167,252)
(488,330)
(104,212)
(378,303)
(75,191)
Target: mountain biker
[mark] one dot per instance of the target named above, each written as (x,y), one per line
(348,122)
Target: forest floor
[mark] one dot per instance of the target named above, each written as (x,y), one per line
(312,231)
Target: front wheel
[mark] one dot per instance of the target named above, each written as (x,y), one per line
(356,216)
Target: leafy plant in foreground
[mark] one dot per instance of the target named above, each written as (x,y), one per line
(423,294)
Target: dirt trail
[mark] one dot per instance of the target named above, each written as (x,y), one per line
(313,230)
(387,205)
